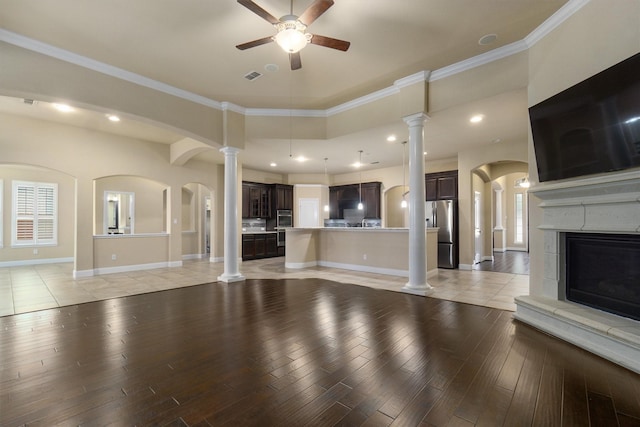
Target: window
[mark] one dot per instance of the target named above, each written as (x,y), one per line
(34,214)
(519,225)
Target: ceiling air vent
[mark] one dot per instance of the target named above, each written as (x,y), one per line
(252,75)
(30,101)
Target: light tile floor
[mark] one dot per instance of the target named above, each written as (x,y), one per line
(31,288)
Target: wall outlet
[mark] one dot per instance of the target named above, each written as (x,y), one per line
(113,257)
(35,252)
(364,257)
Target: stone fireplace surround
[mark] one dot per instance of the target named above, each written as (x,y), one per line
(608,203)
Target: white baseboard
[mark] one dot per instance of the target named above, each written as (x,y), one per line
(136,267)
(216,259)
(365,268)
(487,258)
(193,256)
(299,265)
(517,249)
(500,250)
(465,266)
(36,261)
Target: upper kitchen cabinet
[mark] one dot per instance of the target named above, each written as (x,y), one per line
(282,198)
(441,185)
(256,200)
(343,197)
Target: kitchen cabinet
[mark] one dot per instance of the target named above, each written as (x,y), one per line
(282,198)
(259,245)
(246,200)
(256,200)
(441,185)
(343,197)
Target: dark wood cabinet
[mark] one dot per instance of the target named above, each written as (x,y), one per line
(441,185)
(246,200)
(371,199)
(343,197)
(282,198)
(259,245)
(256,200)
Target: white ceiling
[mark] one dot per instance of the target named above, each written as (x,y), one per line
(191,45)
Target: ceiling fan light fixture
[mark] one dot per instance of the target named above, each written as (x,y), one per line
(291,35)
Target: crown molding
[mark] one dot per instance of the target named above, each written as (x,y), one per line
(101,67)
(283,112)
(561,15)
(419,77)
(566,11)
(476,61)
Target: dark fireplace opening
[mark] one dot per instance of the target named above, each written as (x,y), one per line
(603,272)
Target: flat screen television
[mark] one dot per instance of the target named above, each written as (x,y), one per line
(592,127)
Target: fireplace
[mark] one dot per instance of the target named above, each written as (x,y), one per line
(585,281)
(603,272)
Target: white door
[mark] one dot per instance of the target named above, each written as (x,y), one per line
(477,206)
(308,215)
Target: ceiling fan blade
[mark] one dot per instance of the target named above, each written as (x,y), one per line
(296,62)
(316,9)
(255,43)
(330,42)
(259,11)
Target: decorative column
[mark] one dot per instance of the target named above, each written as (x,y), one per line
(417,233)
(231,273)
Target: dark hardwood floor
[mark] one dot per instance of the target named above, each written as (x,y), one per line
(299,352)
(514,262)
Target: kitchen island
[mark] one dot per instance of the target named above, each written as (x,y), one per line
(373,250)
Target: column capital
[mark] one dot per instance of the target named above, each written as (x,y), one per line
(229,150)
(415,119)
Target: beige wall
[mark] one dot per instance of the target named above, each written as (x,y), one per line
(26,74)
(86,156)
(599,35)
(148,202)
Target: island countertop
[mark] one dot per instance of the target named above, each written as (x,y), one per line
(370,249)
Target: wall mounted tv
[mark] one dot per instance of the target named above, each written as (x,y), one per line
(592,127)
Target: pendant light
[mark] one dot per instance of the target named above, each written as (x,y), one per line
(360,205)
(326,179)
(403,204)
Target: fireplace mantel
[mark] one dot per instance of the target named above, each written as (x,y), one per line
(608,203)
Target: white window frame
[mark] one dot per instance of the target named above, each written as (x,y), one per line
(518,234)
(35,215)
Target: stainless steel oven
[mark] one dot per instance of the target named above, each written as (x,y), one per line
(282,235)
(284,218)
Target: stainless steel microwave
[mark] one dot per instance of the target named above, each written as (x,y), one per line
(284,218)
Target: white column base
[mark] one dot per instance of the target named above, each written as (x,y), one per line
(422,290)
(230,278)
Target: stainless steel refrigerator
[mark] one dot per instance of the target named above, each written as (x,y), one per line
(444,214)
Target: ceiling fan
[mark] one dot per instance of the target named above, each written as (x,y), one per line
(292,35)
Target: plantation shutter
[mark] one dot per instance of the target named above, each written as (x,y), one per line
(35,213)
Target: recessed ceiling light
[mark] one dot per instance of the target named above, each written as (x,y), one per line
(391,138)
(424,154)
(113,118)
(477,118)
(301,159)
(495,141)
(273,164)
(487,39)
(271,68)
(63,108)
